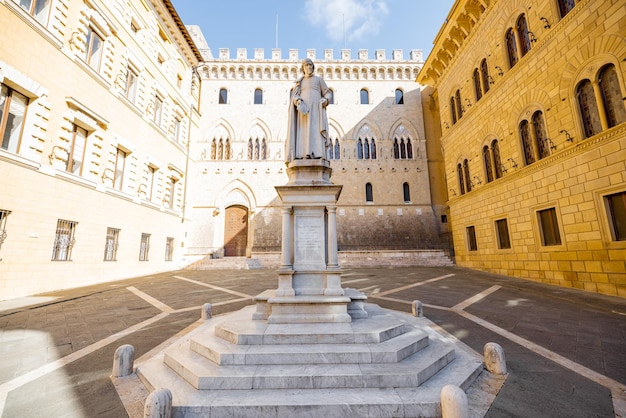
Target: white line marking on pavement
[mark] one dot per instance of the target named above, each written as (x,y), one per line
(618,390)
(152,301)
(223,289)
(353,280)
(469,301)
(7,387)
(225,302)
(398,289)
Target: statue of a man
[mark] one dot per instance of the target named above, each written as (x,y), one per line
(307,134)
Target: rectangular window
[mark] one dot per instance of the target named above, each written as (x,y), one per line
(4,214)
(177,129)
(169,248)
(64,240)
(12,113)
(144,247)
(39,9)
(111,244)
(549,227)
(120,163)
(502,230)
(172,192)
(150,184)
(471,238)
(158,110)
(616,208)
(131,84)
(76,155)
(93,49)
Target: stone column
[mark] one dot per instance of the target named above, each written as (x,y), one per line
(287,244)
(333,261)
(597,91)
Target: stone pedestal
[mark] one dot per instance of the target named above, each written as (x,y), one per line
(309,278)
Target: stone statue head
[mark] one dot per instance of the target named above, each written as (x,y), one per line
(305,62)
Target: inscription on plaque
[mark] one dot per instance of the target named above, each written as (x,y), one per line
(309,240)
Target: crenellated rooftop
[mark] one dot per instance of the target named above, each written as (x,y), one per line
(328,55)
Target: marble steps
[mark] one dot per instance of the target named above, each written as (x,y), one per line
(392,350)
(412,371)
(375,330)
(422,401)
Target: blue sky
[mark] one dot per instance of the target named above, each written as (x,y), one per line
(319,24)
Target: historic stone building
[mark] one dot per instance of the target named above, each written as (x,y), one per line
(531,101)
(97,105)
(380,154)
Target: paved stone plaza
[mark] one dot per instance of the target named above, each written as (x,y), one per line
(564,348)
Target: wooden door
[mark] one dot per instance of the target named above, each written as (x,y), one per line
(236,231)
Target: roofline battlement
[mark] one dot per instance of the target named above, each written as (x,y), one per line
(415,55)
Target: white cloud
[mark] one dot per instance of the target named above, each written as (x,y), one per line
(359,18)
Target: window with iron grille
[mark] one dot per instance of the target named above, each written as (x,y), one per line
(169,248)
(144,247)
(64,240)
(4,214)
(111,244)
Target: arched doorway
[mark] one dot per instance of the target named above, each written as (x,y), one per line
(236,231)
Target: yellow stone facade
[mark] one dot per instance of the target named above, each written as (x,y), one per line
(564,210)
(86,149)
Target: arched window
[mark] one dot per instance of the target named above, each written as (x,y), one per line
(263,155)
(534,137)
(213,149)
(539,129)
(453,110)
(409,149)
(484,72)
(524,132)
(365,96)
(522,34)
(477,89)
(337,150)
(497,162)
(466,172)
(369,193)
(223,98)
(258,96)
(511,47)
(611,96)
(399,96)
(250,149)
(396,149)
(227,150)
(565,6)
(488,164)
(459,105)
(588,108)
(366,149)
(459,175)
(256,149)
(407,193)
(220,150)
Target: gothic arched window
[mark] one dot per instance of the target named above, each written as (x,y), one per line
(258,96)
